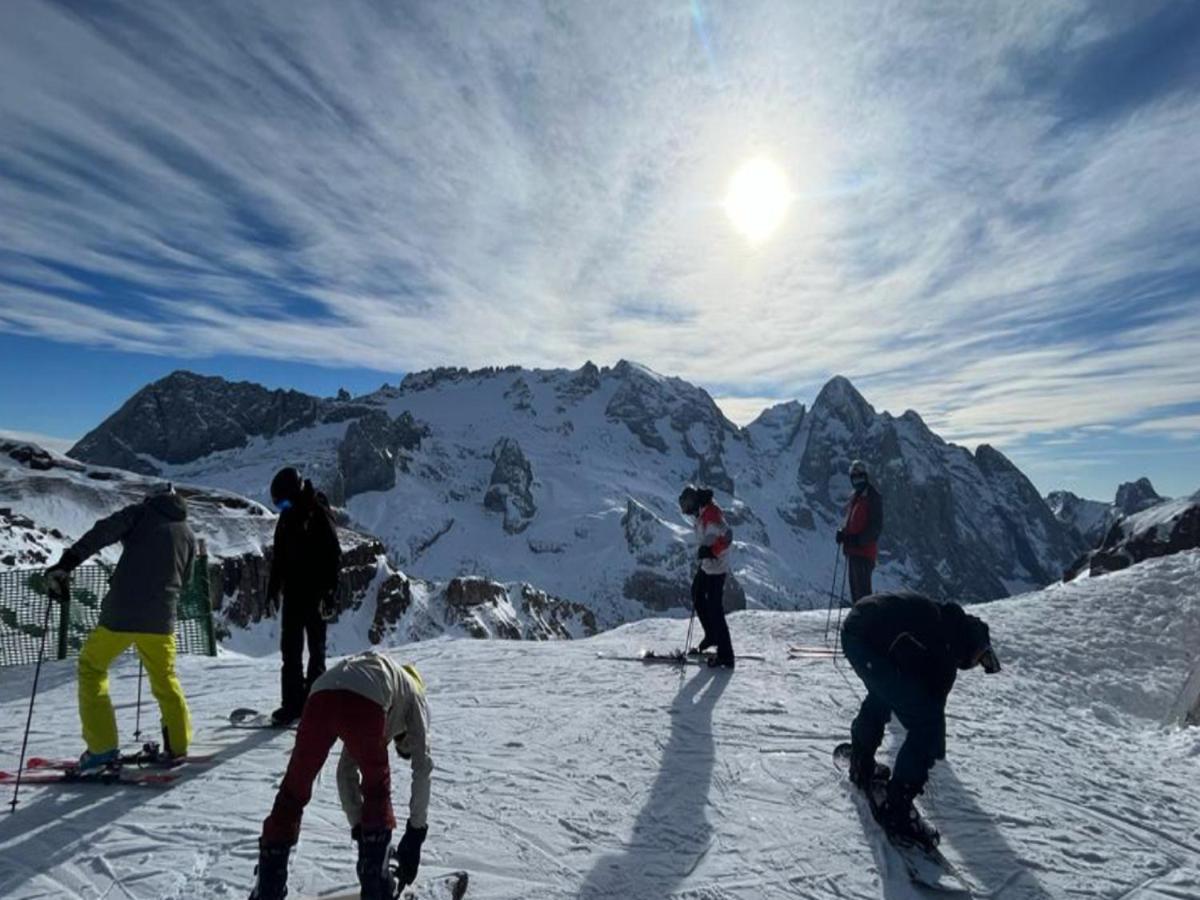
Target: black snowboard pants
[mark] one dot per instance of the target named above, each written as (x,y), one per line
(889,691)
(708,596)
(859,568)
(301,618)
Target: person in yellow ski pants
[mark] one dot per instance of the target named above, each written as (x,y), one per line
(158,549)
(157,653)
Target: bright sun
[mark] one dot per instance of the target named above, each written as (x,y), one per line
(757,199)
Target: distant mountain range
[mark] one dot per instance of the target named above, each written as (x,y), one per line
(567,479)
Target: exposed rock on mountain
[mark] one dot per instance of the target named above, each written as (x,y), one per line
(1160,530)
(510,487)
(1135,496)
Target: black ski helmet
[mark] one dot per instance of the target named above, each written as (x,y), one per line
(858,467)
(689,500)
(285,485)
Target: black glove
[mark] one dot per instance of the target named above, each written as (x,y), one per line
(356,833)
(328,605)
(58,576)
(705,552)
(840,536)
(408,854)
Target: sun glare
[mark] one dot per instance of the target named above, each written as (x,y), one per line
(757,199)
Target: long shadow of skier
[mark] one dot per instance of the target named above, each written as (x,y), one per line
(672,832)
(975,839)
(36,838)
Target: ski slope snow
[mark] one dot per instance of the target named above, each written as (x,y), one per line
(560,775)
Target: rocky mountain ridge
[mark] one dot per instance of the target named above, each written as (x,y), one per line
(567,479)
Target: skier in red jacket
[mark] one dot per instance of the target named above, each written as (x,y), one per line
(708,587)
(859,535)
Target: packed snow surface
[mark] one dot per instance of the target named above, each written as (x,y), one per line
(561,775)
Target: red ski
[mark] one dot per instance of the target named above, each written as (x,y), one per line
(143,777)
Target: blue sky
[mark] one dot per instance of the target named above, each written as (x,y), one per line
(992,214)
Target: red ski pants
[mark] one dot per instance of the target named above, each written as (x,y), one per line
(362,727)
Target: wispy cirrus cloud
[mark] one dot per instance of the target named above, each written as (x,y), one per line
(994,216)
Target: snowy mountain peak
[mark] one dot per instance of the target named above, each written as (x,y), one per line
(1135,496)
(840,400)
(776,428)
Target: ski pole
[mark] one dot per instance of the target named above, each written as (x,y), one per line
(837,635)
(687,643)
(837,556)
(37,674)
(137,728)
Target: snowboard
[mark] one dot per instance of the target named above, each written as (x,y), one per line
(443,887)
(927,868)
(245,717)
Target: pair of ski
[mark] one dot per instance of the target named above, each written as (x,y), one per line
(146,767)
(673,657)
(925,866)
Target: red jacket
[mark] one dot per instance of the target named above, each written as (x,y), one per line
(864,522)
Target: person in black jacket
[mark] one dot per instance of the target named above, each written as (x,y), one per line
(907,649)
(304,568)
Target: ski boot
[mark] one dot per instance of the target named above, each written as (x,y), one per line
(864,771)
(901,820)
(271,870)
(284,716)
(374,875)
(700,648)
(94,762)
(718,663)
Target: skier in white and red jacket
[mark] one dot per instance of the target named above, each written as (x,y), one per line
(708,587)
(368,702)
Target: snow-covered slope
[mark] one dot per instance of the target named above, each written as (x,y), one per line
(559,775)
(569,479)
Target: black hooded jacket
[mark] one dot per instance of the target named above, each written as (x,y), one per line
(927,640)
(307,556)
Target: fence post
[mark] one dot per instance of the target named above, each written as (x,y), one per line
(202,586)
(64,623)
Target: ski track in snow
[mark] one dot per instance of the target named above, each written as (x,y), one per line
(563,776)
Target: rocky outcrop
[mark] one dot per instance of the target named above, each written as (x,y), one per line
(1090,519)
(374,447)
(660,593)
(186,416)
(486,609)
(392,601)
(1165,528)
(510,489)
(1135,496)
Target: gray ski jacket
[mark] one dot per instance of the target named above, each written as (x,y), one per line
(157,553)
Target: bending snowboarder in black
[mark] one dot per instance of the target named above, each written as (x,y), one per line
(708,587)
(907,650)
(304,567)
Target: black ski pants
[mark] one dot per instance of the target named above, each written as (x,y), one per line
(859,569)
(708,596)
(301,619)
(889,691)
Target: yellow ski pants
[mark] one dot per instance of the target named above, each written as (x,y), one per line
(157,652)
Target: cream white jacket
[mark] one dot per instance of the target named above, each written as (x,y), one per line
(399,690)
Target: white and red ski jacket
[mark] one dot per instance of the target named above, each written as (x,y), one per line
(713,532)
